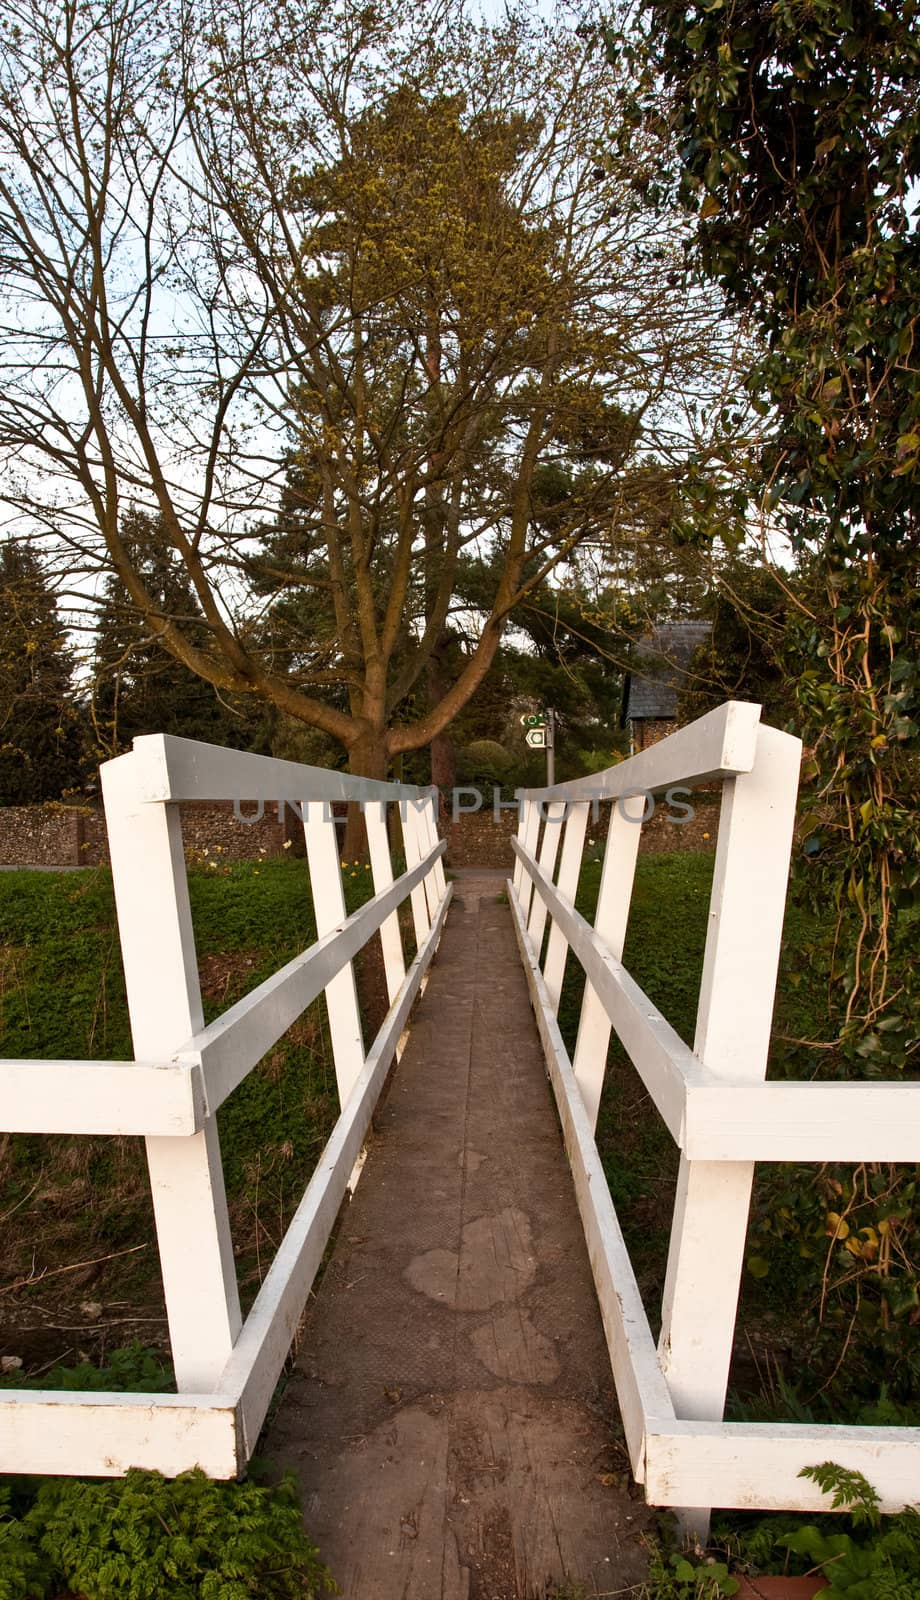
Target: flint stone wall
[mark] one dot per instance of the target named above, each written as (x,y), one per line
(75,836)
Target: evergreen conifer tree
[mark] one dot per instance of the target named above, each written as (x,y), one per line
(40,739)
(138,686)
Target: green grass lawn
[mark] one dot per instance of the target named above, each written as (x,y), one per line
(78,1229)
(81,1200)
(70,1200)
(799,1353)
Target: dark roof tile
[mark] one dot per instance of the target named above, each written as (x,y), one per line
(662,659)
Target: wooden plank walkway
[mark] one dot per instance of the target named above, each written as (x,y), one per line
(451,1416)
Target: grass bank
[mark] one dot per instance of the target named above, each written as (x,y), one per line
(80,1278)
(80,1269)
(827,1326)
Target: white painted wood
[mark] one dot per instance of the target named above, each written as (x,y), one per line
(103,1435)
(695,1464)
(746,911)
(530,833)
(721,743)
(549,849)
(732,1040)
(624,830)
(708,1233)
(664,1063)
(433,837)
(524,811)
(414,845)
(803,1122)
(261,1351)
(427,834)
(378,845)
(164,1003)
(108,1097)
(557,948)
(756,1466)
(229,1047)
(641,1390)
(171,768)
(329,912)
(715,1101)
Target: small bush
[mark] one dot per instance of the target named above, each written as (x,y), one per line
(144,1536)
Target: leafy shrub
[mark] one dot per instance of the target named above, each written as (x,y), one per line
(133,1369)
(688,1580)
(145,1536)
(875,1561)
(862,1556)
(22,1570)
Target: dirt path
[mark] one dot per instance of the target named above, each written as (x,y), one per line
(451,1417)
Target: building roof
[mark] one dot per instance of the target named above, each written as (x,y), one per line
(662,658)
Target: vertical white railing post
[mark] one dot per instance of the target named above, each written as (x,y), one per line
(567,883)
(732,1041)
(378,845)
(528,833)
(164,1004)
(517,871)
(590,1059)
(328,896)
(416,847)
(431,829)
(549,849)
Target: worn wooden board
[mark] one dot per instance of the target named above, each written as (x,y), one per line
(452,1416)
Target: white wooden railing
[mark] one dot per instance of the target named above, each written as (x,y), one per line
(715,1102)
(226,1368)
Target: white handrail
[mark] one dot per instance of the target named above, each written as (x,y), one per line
(719,745)
(230,1046)
(716,1105)
(170,768)
(226,1368)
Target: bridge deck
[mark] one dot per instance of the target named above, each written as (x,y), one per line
(451,1416)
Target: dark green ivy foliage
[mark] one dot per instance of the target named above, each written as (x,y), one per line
(796,127)
(144,1536)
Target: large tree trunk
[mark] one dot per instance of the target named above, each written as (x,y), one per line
(367,758)
(443,750)
(443,767)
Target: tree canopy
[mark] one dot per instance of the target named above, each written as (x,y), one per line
(797,135)
(391,253)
